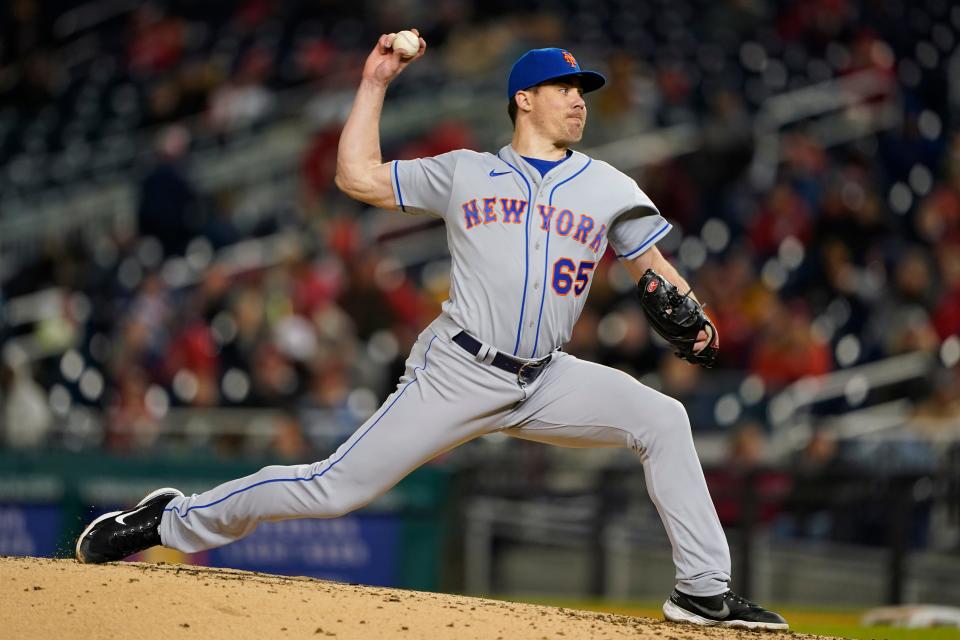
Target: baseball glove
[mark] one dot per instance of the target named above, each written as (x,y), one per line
(677,318)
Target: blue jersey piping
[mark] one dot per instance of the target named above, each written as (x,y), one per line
(526,253)
(546,258)
(396,181)
(656,235)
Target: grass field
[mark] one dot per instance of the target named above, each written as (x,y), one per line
(825,622)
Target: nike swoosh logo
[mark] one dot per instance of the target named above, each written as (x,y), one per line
(494,174)
(721,613)
(120,518)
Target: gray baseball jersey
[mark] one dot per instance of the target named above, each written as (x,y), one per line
(523,246)
(523,250)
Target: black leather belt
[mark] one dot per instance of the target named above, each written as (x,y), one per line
(526,372)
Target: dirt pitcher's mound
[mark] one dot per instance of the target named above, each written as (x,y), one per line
(45,598)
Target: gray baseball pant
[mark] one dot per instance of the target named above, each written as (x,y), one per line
(447,397)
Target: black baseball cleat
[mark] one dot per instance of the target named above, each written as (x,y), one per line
(116,535)
(723,610)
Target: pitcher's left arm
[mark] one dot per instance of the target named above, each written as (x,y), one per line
(653,259)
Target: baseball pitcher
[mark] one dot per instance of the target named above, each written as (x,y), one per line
(526,227)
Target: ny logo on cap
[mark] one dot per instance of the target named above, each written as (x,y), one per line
(570,59)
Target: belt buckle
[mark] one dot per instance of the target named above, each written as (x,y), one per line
(520,372)
(534,367)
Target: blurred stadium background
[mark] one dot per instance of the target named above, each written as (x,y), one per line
(186,296)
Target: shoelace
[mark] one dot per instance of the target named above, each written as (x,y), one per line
(730,595)
(136,538)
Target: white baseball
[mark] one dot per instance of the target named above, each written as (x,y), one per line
(407,43)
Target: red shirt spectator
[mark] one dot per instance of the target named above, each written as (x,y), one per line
(783,214)
(789,350)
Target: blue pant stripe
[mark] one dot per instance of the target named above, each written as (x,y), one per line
(316,475)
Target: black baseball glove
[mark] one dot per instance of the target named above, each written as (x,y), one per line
(677,318)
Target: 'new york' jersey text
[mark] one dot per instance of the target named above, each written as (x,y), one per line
(524,247)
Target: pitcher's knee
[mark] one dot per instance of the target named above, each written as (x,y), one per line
(664,422)
(676,415)
(668,419)
(336,498)
(340,505)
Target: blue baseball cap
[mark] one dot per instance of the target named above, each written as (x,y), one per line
(540,65)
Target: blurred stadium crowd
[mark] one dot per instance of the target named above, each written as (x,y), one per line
(851,255)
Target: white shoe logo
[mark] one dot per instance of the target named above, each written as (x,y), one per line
(723,612)
(120,518)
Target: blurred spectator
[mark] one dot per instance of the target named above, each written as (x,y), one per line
(131,425)
(810,509)
(783,214)
(628,102)
(152,307)
(819,454)
(193,350)
(726,144)
(36,81)
(143,330)
(26,28)
(738,303)
(197,78)
(938,414)
(583,341)
(318,168)
(156,40)
(745,487)
(852,214)
(26,414)
(169,208)
(938,216)
(241,328)
(134,347)
(288,441)
(29,73)
(675,86)
(625,340)
(747,447)
(788,349)
(274,381)
(244,99)
(324,410)
(901,321)
(364,299)
(946,314)
(316,284)
(163,101)
(841,275)
(805,163)
(218,226)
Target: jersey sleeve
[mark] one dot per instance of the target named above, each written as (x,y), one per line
(638,227)
(424,185)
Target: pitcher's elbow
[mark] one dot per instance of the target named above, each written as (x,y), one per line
(348,185)
(342,183)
